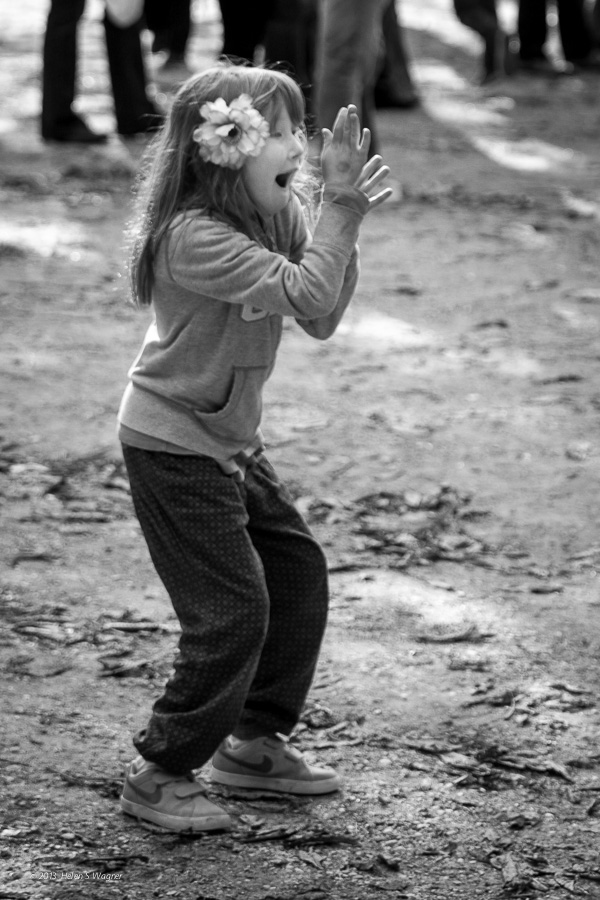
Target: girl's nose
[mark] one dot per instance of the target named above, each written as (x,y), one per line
(297,145)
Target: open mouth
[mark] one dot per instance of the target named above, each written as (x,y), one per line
(284,179)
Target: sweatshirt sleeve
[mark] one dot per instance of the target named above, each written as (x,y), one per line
(323,327)
(215,260)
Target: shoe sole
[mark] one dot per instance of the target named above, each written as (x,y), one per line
(279,785)
(175,823)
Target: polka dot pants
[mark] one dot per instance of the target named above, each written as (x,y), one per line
(248,582)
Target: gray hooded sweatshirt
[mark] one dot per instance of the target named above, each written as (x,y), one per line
(219,300)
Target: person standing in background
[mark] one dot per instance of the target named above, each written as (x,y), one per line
(289,42)
(481,16)
(135,113)
(575,35)
(170,24)
(244,26)
(394,88)
(347,55)
(595,23)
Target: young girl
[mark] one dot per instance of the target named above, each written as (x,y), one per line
(222,254)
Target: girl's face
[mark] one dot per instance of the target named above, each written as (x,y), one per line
(268,177)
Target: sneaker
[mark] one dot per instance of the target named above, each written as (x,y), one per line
(269,763)
(72,131)
(175,802)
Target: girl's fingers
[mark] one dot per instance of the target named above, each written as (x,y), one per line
(327,138)
(346,128)
(375,179)
(339,126)
(379,198)
(354,126)
(368,169)
(365,141)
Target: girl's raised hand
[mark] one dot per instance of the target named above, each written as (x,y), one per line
(369,181)
(344,158)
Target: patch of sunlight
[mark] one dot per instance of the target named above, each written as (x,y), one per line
(45,240)
(508,12)
(526,235)
(382,329)
(438,18)
(30,20)
(455,112)
(528,155)
(7,125)
(437,74)
(25,104)
(206,11)
(511,363)
(22,361)
(516,365)
(95,10)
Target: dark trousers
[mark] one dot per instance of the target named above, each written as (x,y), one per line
(244,26)
(289,40)
(171,24)
(574,34)
(480,15)
(248,582)
(126,66)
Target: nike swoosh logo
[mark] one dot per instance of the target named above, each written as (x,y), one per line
(263,767)
(253,313)
(154,797)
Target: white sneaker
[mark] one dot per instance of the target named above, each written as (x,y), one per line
(270,763)
(175,802)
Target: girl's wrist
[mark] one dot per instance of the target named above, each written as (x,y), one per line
(341,186)
(346,195)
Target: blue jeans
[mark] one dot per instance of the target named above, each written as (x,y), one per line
(248,582)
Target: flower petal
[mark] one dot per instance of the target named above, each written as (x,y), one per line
(230,133)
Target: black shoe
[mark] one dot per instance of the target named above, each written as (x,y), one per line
(588,63)
(388,99)
(73,131)
(549,68)
(161,41)
(175,61)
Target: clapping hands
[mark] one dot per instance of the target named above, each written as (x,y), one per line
(345,158)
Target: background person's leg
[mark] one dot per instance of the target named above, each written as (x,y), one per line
(58,121)
(532,29)
(348,47)
(244,26)
(134,110)
(575,34)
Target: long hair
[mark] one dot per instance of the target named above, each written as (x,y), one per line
(178,179)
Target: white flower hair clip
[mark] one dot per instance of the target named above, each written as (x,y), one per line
(230,133)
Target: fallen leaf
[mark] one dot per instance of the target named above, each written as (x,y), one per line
(472,634)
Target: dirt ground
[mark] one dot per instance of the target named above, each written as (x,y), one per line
(444,445)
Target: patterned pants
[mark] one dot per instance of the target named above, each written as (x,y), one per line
(248,582)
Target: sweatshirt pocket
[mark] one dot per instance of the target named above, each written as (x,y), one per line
(240,417)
